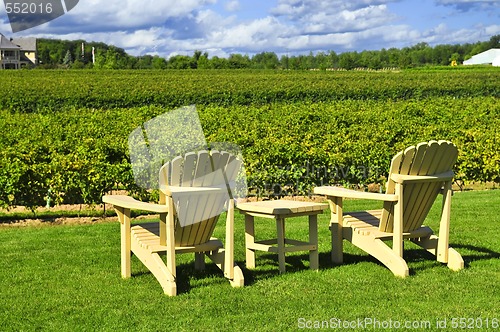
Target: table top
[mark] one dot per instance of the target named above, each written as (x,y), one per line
(282,207)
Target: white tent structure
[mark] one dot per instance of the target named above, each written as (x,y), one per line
(490,57)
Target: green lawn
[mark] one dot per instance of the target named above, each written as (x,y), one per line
(67,278)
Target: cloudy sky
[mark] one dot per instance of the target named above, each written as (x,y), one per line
(223,27)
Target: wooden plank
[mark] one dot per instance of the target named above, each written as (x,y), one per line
(209,208)
(223,159)
(418,158)
(249,241)
(417,193)
(394,168)
(188,172)
(202,167)
(262,247)
(409,190)
(214,160)
(125,239)
(441,158)
(128,202)
(397,244)
(211,245)
(175,175)
(407,160)
(336,226)
(349,193)
(313,243)
(280,231)
(281,207)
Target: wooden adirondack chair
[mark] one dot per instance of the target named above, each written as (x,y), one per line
(194,189)
(417,175)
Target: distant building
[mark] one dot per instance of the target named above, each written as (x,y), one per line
(17,53)
(490,57)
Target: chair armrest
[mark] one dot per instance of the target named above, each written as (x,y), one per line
(349,193)
(401,178)
(128,202)
(189,191)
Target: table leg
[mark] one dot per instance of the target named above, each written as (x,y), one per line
(249,241)
(313,240)
(280,227)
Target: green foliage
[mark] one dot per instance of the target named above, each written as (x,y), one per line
(52,53)
(21,90)
(65,132)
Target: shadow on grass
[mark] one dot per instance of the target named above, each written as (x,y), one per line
(417,255)
(188,278)
(474,253)
(267,266)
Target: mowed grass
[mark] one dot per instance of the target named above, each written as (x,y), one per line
(67,278)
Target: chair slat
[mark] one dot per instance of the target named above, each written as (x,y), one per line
(188,172)
(426,158)
(175,173)
(202,167)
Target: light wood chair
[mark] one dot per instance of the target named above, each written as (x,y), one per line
(194,190)
(417,175)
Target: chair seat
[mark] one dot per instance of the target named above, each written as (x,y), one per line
(366,223)
(147,235)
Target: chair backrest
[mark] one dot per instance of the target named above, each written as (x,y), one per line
(427,158)
(196,214)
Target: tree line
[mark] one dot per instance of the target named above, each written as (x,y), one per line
(80,54)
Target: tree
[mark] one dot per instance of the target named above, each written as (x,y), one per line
(494,42)
(238,61)
(100,59)
(145,62)
(285,61)
(77,64)
(111,59)
(265,60)
(45,56)
(181,62)
(158,62)
(204,62)
(348,60)
(333,59)
(68,59)
(219,63)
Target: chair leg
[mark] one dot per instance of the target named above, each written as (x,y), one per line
(126,252)
(219,258)
(337,245)
(454,260)
(199,261)
(156,265)
(238,279)
(382,252)
(336,228)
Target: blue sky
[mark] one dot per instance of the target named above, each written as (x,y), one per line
(222,27)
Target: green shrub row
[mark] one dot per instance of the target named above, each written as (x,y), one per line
(77,154)
(33,91)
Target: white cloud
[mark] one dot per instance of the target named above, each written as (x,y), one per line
(301,9)
(125,14)
(297,26)
(349,20)
(467,5)
(454,2)
(232,5)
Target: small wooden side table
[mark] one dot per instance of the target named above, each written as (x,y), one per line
(280,210)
